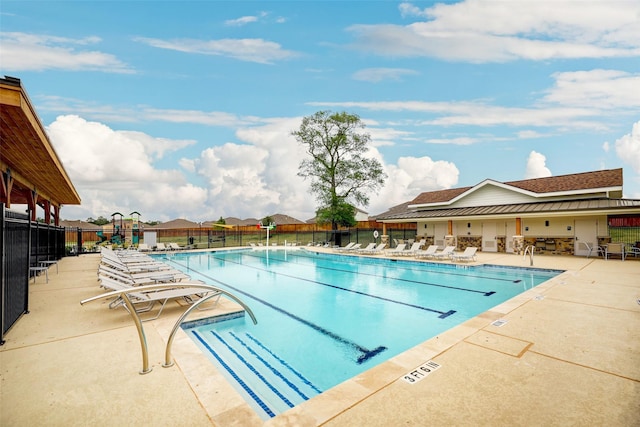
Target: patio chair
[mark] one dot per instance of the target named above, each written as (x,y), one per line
(161,247)
(632,249)
(143,247)
(469,254)
(175,246)
(614,249)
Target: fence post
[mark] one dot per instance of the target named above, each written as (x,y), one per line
(79,242)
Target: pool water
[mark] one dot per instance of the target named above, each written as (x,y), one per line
(324,318)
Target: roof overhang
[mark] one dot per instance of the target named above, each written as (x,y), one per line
(29,165)
(579,192)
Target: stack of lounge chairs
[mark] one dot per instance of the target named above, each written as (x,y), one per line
(126,270)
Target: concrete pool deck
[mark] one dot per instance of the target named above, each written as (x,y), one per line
(568,354)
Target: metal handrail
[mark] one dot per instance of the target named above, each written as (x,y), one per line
(531,249)
(123,293)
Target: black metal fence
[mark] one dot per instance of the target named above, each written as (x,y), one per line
(79,241)
(24,244)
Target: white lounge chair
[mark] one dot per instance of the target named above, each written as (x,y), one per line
(469,254)
(175,246)
(427,253)
(346,248)
(377,250)
(445,253)
(143,247)
(145,301)
(398,250)
(370,247)
(160,247)
(415,247)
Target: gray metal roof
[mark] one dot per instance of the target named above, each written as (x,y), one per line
(620,206)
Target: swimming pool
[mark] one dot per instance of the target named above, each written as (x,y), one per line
(324,318)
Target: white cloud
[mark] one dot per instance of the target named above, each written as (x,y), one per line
(33,52)
(256,176)
(410,177)
(628,148)
(238,22)
(483,114)
(536,166)
(376,75)
(113,171)
(492,31)
(604,89)
(250,50)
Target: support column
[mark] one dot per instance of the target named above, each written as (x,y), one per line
(7,185)
(384,238)
(450,239)
(56,215)
(518,239)
(33,204)
(46,205)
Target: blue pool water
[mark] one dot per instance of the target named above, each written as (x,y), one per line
(324,318)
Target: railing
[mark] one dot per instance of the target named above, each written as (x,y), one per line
(123,293)
(531,249)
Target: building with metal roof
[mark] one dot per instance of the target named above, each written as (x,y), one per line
(568,214)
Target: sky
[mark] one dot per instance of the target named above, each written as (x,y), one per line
(185,109)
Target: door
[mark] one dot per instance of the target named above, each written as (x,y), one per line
(489,242)
(440,230)
(586,236)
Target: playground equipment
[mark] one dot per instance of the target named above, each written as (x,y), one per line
(135,227)
(118,229)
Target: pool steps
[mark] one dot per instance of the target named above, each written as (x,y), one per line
(276,387)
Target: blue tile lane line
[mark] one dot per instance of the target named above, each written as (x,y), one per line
(253,369)
(235,376)
(284,363)
(277,373)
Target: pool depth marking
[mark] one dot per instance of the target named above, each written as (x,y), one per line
(443,314)
(365,355)
(486,294)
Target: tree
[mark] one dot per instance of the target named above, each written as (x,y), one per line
(340,172)
(100,221)
(221,221)
(267,220)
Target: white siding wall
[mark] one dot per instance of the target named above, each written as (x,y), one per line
(557,227)
(490,195)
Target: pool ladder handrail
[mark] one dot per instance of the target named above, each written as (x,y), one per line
(531,249)
(124,294)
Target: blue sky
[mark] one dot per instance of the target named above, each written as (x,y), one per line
(184,109)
